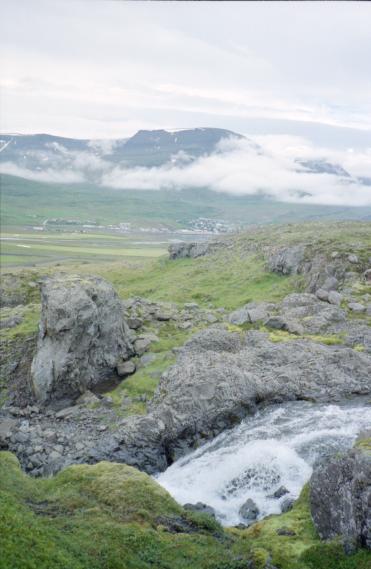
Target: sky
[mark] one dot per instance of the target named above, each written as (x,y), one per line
(102,69)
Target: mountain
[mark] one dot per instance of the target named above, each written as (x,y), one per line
(50,177)
(155,147)
(323,167)
(145,148)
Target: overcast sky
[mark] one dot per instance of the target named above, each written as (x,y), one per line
(106,69)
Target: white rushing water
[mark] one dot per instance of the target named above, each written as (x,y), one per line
(276,447)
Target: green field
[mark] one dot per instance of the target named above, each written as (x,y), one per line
(32,248)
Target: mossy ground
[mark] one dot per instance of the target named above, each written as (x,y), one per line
(111,516)
(140,387)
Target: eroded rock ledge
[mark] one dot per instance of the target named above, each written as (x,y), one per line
(218,378)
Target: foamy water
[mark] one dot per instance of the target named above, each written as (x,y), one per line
(276,447)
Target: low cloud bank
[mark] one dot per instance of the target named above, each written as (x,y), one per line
(285,168)
(48,175)
(274,168)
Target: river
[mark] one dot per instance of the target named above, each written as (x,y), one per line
(276,447)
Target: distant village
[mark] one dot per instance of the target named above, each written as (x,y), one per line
(199,226)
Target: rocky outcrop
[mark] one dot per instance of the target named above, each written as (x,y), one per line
(218,378)
(340,496)
(82,337)
(305,314)
(184,250)
(322,273)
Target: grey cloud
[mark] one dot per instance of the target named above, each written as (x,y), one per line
(65,72)
(274,170)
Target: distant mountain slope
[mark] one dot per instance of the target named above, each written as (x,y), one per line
(26,202)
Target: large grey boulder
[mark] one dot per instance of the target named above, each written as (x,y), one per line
(287,260)
(340,496)
(82,336)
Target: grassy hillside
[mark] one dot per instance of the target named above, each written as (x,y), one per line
(111,516)
(234,275)
(25,202)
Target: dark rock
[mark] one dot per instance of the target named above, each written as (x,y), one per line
(249,510)
(276,322)
(134,323)
(177,524)
(287,505)
(201,508)
(281,491)
(285,531)
(125,368)
(340,496)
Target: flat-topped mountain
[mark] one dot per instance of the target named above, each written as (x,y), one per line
(145,148)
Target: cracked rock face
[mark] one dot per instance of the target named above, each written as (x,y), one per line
(340,497)
(82,337)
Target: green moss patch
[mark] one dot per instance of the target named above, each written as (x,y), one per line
(111,516)
(30,315)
